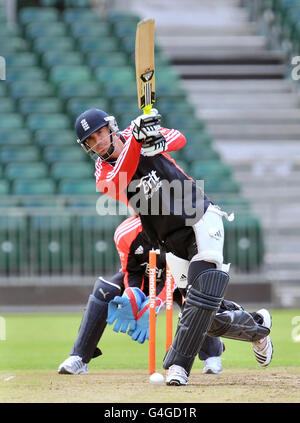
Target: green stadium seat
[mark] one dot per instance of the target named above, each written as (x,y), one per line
(168,91)
(13,242)
(77,3)
(21,59)
(87,16)
(67,170)
(34,187)
(166,106)
(74,154)
(107,74)
(77,187)
(123,103)
(7,30)
(39,29)
(38,14)
(4,188)
(117,89)
(58,137)
(13,45)
(50,3)
(81,29)
(9,202)
(233,203)
(7,105)
(15,154)
(125,119)
(94,44)
(28,73)
(69,90)
(41,105)
(207,153)
(33,170)
(244,245)
(126,116)
(70,73)
(96,254)
(76,106)
(97,222)
(2,90)
(117,16)
(38,121)
(13,136)
(115,58)
(79,202)
(221,186)
(44,44)
(160,60)
(197,139)
(167,75)
(21,89)
(40,202)
(207,169)
(125,28)
(54,58)
(11,121)
(52,246)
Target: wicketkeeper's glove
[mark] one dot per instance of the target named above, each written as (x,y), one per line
(141,331)
(124,310)
(146,126)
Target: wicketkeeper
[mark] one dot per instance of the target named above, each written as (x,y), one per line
(129,289)
(123,301)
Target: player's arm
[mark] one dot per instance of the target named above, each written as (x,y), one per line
(124,238)
(113,180)
(175,140)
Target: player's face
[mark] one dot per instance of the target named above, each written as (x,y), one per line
(99,142)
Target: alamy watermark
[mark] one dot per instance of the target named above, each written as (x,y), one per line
(2,329)
(296,330)
(151,195)
(295,62)
(2,69)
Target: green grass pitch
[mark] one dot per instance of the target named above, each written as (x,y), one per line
(43,341)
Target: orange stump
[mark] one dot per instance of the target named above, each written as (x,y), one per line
(152,311)
(169,308)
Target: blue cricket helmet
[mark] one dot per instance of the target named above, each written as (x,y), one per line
(91,121)
(88,122)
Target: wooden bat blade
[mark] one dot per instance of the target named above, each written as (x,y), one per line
(144,64)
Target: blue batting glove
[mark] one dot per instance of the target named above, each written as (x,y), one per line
(123,310)
(141,332)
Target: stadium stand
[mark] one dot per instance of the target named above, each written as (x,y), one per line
(63,58)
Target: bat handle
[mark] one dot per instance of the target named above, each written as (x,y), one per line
(147,109)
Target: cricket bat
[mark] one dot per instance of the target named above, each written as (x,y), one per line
(144,64)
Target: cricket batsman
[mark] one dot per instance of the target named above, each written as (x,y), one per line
(134,166)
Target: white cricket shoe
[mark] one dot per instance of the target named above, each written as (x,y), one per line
(263,349)
(212,365)
(73,365)
(176,376)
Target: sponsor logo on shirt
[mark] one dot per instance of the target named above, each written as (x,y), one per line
(150,184)
(139,250)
